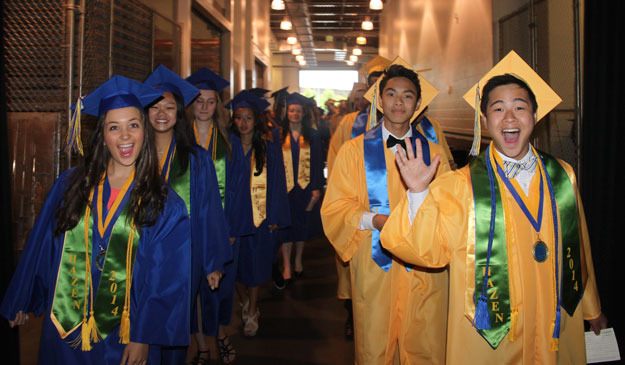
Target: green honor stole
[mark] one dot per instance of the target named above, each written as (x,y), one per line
(491,296)
(75,303)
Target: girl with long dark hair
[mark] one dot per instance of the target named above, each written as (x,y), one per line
(267,210)
(189,170)
(107,260)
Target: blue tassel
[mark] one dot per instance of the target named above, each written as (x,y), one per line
(482,317)
(556,326)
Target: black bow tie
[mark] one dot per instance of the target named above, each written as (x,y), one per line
(392,141)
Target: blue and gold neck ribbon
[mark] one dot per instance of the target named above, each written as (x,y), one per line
(377,184)
(428,130)
(74,305)
(360,124)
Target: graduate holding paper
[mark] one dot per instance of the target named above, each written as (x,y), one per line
(511,228)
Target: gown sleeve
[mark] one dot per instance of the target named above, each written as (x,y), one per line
(160,294)
(238,198)
(278,211)
(344,203)
(209,221)
(439,223)
(28,290)
(316,162)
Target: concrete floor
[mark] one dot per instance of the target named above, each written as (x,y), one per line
(300,325)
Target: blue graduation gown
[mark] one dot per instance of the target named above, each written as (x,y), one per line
(217,304)
(159,303)
(209,233)
(304,224)
(257,251)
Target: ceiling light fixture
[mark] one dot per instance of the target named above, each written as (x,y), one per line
(302,62)
(367,24)
(375,5)
(279,5)
(299,58)
(349,63)
(361,40)
(353,58)
(285,24)
(296,51)
(291,40)
(356,51)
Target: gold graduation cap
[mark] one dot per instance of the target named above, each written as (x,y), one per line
(428,91)
(377,63)
(513,64)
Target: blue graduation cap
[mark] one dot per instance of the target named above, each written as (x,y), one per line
(280,93)
(259,91)
(164,80)
(205,79)
(116,93)
(297,98)
(247,99)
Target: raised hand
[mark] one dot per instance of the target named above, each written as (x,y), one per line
(415,173)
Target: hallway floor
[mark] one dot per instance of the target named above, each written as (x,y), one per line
(300,325)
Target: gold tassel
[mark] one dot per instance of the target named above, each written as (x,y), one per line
(74,139)
(513,320)
(124,328)
(477,131)
(93,329)
(85,331)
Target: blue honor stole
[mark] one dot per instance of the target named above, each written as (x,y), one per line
(428,130)
(377,184)
(360,124)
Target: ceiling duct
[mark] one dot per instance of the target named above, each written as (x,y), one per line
(300,18)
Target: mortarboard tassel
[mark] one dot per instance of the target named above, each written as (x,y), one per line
(477,131)
(481,319)
(555,339)
(74,140)
(373,111)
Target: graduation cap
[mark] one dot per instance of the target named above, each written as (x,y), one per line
(247,99)
(165,80)
(428,91)
(280,92)
(205,79)
(259,91)
(116,93)
(377,63)
(513,64)
(297,98)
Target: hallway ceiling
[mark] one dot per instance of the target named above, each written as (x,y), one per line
(327,25)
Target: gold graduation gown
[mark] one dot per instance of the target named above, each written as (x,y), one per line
(448,210)
(398,311)
(342,134)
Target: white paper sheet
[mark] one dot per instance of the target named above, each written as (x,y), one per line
(603,347)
